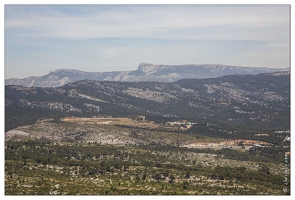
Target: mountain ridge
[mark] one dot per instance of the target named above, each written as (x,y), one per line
(261,100)
(144,72)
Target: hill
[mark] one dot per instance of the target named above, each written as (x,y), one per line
(261,100)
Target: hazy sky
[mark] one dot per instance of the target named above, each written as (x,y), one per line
(41,38)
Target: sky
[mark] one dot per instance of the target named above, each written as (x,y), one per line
(96,38)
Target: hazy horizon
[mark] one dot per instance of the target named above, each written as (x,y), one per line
(101,38)
(133,69)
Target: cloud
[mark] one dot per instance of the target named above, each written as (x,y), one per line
(119,37)
(158,22)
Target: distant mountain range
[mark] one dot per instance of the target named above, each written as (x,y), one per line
(261,100)
(145,72)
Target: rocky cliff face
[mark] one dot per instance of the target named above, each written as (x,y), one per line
(145,72)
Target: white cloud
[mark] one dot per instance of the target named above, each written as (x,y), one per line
(264,22)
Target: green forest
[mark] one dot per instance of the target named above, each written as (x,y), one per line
(44,167)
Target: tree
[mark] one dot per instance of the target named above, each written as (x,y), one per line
(166,173)
(172,178)
(185,185)
(187,175)
(137,178)
(264,169)
(157,176)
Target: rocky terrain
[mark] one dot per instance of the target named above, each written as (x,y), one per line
(102,134)
(145,72)
(261,100)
